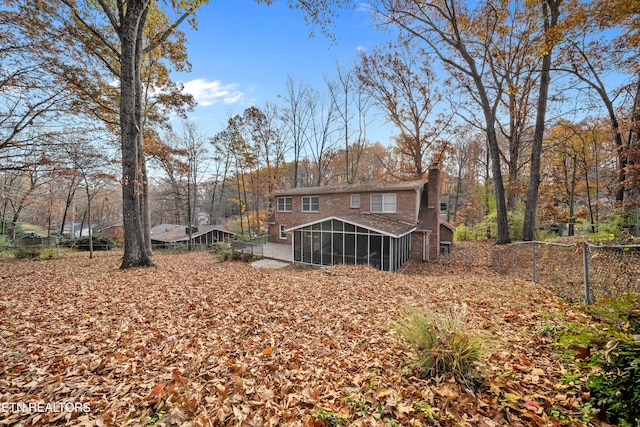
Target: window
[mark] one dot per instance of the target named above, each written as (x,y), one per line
(383,203)
(283,231)
(284,204)
(310,204)
(355,201)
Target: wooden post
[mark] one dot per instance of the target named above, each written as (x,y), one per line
(534,271)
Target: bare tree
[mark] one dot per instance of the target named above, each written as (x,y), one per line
(297,118)
(323,135)
(196,155)
(403,84)
(352,105)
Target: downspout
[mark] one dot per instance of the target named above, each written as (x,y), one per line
(418,201)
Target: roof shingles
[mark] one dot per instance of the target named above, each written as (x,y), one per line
(169,233)
(368,187)
(373,222)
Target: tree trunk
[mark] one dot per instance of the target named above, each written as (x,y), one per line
(572,193)
(70,196)
(89,218)
(189,215)
(551,12)
(514,151)
(501,205)
(135,254)
(145,214)
(632,155)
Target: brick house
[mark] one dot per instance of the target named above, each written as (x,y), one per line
(380,224)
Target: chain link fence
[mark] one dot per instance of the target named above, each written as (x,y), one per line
(580,272)
(612,270)
(252,245)
(466,254)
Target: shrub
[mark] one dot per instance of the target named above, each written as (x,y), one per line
(488,228)
(28,252)
(49,253)
(464,234)
(610,357)
(443,343)
(615,385)
(222,251)
(100,243)
(5,243)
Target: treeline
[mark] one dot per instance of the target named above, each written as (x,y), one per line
(531,109)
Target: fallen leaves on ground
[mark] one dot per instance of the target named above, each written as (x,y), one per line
(195,342)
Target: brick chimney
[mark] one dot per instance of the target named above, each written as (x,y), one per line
(433,203)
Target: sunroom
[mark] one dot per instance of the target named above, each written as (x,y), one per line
(367,239)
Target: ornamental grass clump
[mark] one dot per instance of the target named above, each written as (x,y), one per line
(444,343)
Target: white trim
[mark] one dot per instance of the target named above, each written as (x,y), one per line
(384,233)
(282,230)
(353,205)
(383,202)
(285,204)
(310,204)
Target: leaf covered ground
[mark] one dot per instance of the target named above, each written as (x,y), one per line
(195,342)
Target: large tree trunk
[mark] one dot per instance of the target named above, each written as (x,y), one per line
(632,156)
(551,12)
(514,151)
(145,212)
(501,203)
(135,253)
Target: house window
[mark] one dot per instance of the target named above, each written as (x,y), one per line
(310,204)
(283,231)
(355,201)
(284,204)
(383,203)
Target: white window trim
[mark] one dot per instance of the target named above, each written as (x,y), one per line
(384,203)
(283,232)
(285,204)
(309,210)
(353,205)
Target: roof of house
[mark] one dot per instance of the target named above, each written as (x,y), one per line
(378,223)
(367,187)
(100,228)
(448,225)
(178,233)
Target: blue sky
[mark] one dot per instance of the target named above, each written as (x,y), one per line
(242,53)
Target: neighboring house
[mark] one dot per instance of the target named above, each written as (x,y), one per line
(114,231)
(73,230)
(170,235)
(380,224)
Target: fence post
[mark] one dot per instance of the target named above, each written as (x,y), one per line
(585,266)
(534,272)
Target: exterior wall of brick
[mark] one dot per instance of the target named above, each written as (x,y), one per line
(419,206)
(338,204)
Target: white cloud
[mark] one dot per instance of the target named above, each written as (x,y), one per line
(207,92)
(364,7)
